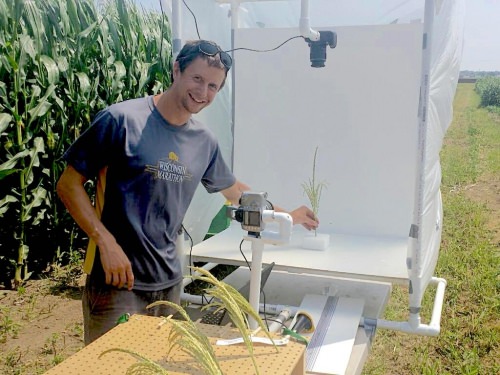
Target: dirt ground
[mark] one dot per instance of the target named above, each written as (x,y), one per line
(42,322)
(41,325)
(487,191)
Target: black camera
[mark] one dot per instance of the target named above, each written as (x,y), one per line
(318,47)
(249,213)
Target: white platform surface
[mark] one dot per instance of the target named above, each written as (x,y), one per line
(330,347)
(361,257)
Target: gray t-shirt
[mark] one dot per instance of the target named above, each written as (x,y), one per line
(153,171)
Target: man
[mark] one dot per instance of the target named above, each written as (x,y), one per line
(150,155)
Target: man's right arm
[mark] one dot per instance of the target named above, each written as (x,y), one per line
(116,265)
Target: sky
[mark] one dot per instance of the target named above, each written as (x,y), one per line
(482,36)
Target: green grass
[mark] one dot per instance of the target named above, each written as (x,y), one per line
(469,342)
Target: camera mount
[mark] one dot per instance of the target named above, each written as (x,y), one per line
(253,216)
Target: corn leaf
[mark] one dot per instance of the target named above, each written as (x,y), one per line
(5,202)
(84,82)
(5,121)
(43,104)
(27,46)
(51,68)
(39,195)
(12,162)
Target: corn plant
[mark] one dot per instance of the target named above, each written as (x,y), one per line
(488,89)
(61,61)
(313,189)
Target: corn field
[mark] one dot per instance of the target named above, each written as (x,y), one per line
(61,61)
(488,89)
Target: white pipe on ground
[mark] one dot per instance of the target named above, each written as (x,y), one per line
(413,325)
(206,267)
(266,309)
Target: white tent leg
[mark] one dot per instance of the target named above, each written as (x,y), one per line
(176,27)
(413,324)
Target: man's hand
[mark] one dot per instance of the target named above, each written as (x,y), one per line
(74,196)
(116,265)
(304,215)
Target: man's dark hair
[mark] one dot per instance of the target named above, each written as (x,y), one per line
(191,50)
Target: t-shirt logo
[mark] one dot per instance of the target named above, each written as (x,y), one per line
(169,169)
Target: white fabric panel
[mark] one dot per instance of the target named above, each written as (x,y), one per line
(360,110)
(213,24)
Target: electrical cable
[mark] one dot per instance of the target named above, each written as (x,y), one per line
(190,249)
(277,321)
(269,205)
(265,50)
(194,17)
(191,242)
(240,48)
(244,257)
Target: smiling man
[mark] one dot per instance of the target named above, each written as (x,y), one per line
(149,155)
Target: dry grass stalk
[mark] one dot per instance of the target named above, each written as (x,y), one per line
(144,367)
(187,337)
(226,297)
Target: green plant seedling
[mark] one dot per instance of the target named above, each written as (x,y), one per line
(313,189)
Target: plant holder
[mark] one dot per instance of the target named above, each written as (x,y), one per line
(316,241)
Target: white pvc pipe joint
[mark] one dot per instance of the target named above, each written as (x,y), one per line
(304,27)
(413,324)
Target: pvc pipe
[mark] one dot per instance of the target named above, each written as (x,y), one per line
(176,28)
(197,299)
(415,256)
(275,309)
(255,278)
(284,233)
(283,236)
(422,142)
(235,9)
(438,301)
(265,309)
(431,329)
(279,321)
(305,29)
(207,267)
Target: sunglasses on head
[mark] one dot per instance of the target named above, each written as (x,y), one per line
(210,49)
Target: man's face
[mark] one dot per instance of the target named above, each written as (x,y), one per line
(197,85)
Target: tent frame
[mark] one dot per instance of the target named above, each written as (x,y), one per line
(415,247)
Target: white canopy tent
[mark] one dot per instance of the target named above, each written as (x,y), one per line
(377,112)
